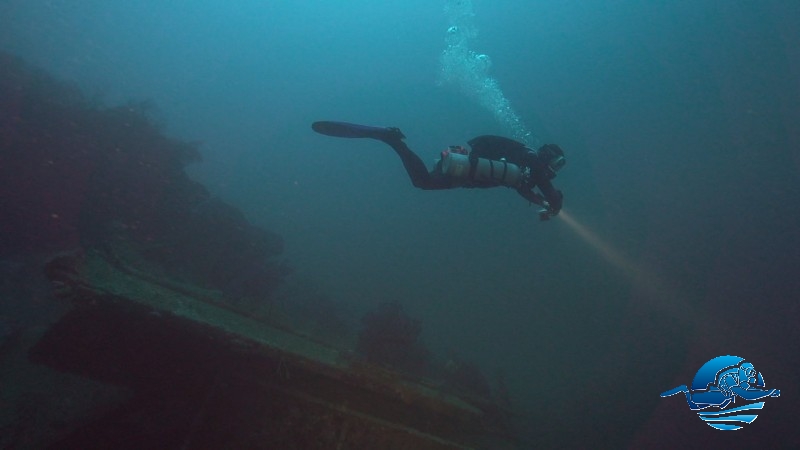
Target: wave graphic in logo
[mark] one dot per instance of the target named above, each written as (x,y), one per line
(730,419)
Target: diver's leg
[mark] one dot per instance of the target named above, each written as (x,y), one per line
(685,390)
(394,138)
(420,177)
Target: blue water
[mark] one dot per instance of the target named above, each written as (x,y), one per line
(679,123)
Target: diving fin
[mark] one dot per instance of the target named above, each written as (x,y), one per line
(677,390)
(352,130)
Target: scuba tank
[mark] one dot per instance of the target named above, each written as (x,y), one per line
(456,163)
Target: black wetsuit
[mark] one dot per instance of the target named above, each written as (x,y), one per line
(493,148)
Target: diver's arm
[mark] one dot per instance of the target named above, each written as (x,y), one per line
(554,197)
(529,195)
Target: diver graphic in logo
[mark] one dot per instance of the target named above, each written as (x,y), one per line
(718,383)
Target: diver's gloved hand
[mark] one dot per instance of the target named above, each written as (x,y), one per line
(544,214)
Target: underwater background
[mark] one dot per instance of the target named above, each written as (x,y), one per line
(679,238)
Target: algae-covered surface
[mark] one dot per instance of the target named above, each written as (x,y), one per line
(202,306)
(207,307)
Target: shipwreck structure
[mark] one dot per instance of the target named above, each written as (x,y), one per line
(201,375)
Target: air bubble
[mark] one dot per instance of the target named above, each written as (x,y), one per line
(469,71)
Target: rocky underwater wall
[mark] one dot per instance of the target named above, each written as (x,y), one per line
(75,175)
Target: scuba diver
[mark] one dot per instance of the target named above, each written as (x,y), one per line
(493,161)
